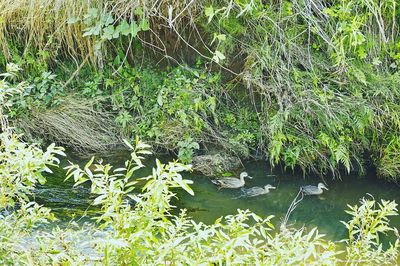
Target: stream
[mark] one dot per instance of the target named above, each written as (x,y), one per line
(324,211)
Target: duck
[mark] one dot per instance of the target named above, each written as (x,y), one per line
(256,191)
(231,182)
(313,190)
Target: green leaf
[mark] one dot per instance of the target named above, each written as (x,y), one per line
(160,99)
(128,144)
(73,20)
(138,11)
(218,56)
(90,15)
(184,184)
(144,25)
(108,33)
(219,37)
(134,29)
(99,199)
(95,30)
(107,19)
(227,174)
(89,163)
(209,12)
(124,28)
(41,179)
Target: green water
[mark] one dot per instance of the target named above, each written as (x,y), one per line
(324,211)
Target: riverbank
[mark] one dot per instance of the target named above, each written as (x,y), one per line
(311,87)
(302,85)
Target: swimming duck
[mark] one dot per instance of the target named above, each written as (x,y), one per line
(313,190)
(256,191)
(231,182)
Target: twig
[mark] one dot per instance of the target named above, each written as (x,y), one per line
(292,207)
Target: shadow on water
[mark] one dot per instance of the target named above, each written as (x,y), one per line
(325,211)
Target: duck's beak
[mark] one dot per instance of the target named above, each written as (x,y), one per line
(250,177)
(325,188)
(272,187)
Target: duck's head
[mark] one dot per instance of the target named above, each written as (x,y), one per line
(245,174)
(267,187)
(322,186)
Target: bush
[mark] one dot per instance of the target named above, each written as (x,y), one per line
(137,227)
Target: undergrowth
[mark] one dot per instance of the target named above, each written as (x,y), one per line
(309,84)
(136,226)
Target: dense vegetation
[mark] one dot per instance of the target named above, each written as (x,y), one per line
(137,228)
(307,84)
(312,84)
(315,86)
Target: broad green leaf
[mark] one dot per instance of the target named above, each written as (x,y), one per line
(124,28)
(108,33)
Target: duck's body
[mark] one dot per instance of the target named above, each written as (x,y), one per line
(313,190)
(256,191)
(231,182)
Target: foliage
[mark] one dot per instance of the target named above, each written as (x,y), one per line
(186,150)
(6,91)
(21,167)
(313,84)
(21,164)
(316,67)
(367,225)
(46,92)
(164,107)
(16,228)
(82,28)
(138,227)
(235,239)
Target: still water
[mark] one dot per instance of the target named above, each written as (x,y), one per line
(325,211)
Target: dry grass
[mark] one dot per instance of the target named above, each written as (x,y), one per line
(44,24)
(74,124)
(211,165)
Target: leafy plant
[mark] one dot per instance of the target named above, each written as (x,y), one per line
(123,119)
(186,149)
(21,164)
(136,225)
(145,231)
(136,218)
(366,228)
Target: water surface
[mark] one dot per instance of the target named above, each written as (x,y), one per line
(209,203)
